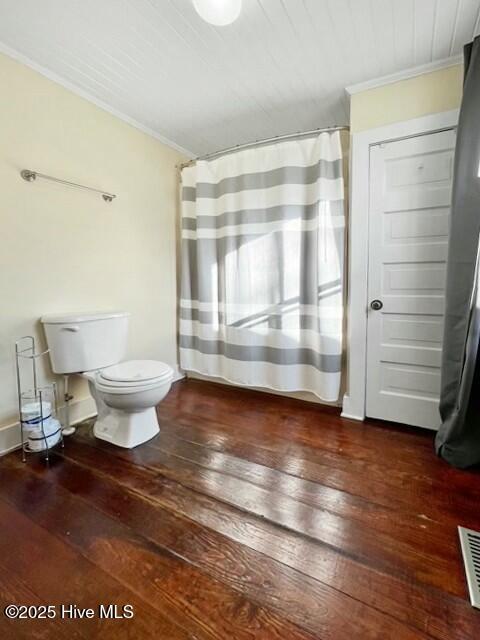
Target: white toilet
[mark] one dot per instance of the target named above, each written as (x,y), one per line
(126,393)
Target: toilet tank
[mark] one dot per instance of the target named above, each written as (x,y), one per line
(86,341)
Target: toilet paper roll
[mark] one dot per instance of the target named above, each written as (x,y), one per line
(51,433)
(32,412)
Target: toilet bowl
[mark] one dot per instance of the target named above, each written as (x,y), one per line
(93,345)
(126,395)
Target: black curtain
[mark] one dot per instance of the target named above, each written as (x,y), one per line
(458,439)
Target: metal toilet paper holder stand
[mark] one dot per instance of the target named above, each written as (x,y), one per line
(25,351)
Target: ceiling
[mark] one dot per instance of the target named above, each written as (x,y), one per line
(281,67)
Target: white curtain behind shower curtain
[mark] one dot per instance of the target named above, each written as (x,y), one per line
(262,266)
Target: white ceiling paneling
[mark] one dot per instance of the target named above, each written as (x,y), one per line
(425,18)
(466,19)
(281,67)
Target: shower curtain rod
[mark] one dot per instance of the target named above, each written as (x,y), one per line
(254,143)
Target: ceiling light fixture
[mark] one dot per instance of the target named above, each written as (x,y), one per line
(218,12)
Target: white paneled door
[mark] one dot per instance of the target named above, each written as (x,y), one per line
(410,193)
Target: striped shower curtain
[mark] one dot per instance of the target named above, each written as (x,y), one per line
(262,266)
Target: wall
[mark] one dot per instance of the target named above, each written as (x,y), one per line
(407,99)
(64,249)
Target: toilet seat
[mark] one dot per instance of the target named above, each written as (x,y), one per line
(136,371)
(133,376)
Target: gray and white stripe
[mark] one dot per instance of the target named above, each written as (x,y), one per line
(322,169)
(262,266)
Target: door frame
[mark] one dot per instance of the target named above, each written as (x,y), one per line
(354,400)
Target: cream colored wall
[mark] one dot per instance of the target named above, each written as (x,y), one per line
(407,99)
(65,249)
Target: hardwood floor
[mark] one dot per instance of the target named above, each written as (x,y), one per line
(249,516)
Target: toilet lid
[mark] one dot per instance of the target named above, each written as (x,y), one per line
(136,371)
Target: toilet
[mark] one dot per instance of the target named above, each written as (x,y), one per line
(126,393)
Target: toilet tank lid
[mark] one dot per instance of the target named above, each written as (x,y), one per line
(81,316)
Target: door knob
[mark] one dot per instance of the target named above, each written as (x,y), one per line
(376,305)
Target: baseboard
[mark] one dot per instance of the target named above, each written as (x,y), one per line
(350,416)
(347,412)
(178,374)
(79,411)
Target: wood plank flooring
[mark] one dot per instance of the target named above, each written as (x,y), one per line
(249,516)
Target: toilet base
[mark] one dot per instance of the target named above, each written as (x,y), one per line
(127,430)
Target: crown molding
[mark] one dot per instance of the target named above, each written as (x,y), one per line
(404,75)
(70,86)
